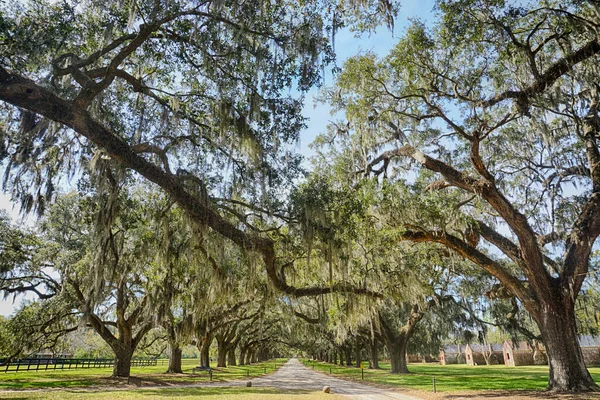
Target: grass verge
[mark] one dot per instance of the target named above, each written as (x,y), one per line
(449,378)
(141,376)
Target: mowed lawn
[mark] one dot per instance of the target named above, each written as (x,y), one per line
(451,377)
(204,393)
(141,376)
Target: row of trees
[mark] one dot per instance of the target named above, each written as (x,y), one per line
(128,267)
(476,138)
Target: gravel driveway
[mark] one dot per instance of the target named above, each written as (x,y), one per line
(294,375)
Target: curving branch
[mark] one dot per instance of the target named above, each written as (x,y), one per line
(477,257)
(500,241)
(533,264)
(24,93)
(587,226)
(548,78)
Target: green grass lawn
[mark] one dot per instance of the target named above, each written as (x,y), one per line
(204,393)
(141,376)
(451,377)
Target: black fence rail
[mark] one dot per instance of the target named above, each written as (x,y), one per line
(44,364)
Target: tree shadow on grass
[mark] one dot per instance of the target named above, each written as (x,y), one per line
(205,391)
(518,394)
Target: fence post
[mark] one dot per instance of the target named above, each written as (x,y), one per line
(434,387)
(362,373)
(28,364)
(329,370)
(210,374)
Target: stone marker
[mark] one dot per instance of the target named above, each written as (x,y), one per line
(248,384)
(326,389)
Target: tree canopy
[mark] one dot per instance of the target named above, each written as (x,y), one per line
(463,172)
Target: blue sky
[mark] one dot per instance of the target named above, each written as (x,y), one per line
(346,46)
(318,115)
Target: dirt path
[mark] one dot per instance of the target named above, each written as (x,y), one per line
(294,375)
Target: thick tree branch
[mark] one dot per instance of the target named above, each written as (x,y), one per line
(549,77)
(530,251)
(477,257)
(24,93)
(587,226)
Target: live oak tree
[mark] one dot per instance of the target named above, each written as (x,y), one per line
(107,270)
(38,326)
(497,105)
(176,269)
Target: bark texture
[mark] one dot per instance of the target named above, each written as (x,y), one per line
(174,360)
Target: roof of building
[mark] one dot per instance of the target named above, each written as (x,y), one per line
(589,341)
(479,348)
(520,346)
(453,348)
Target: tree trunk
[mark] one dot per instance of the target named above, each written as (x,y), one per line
(348,356)
(249,356)
(231,357)
(243,355)
(205,352)
(568,372)
(221,354)
(373,355)
(397,351)
(174,359)
(357,353)
(341,356)
(122,366)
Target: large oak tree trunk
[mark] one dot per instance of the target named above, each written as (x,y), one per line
(397,351)
(568,372)
(122,366)
(174,359)
(231,357)
(205,352)
(348,356)
(221,354)
(243,350)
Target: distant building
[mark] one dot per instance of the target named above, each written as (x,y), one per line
(522,353)
(477,354)
(452,354)
(50,354)
(420,358)
(590,347)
